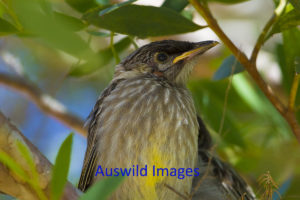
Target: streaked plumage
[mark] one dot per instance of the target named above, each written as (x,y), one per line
(147,116)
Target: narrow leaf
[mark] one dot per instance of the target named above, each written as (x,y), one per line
(53,32)
(73,23)
(13,165)
(82,5)
(6,28)
(177,5)
(277,195)
(99,34)
(61,168)
(229,67)
(103,189)
(296,4)
(229,1)
(287,21)
(115,6)
(103,2)
(105,56)
(142,21)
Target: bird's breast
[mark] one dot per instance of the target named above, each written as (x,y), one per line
(149,122)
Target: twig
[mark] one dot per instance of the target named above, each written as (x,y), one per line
(112,46)
(44,101)
(261,38)
(10,183)
(249,66)
(293,93)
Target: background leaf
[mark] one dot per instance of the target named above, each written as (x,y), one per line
(177,5)
(102,189)
(115,6)
(61,168)
(229,1)
(6,28)
(229,66)
(151,21)
(286,21)
(82,5)
(296,4)
(105,56)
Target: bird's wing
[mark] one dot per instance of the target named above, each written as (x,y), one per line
(217,180)
(91,154)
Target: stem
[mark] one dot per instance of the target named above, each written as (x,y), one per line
(112,46)
(249,66)
(293,93)
(261,39)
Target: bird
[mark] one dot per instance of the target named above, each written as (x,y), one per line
(146,117)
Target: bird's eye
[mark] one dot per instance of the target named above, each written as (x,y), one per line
(161,57)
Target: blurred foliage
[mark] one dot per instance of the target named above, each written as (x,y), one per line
(88,35)
(61,168)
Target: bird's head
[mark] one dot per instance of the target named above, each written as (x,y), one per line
(170,59)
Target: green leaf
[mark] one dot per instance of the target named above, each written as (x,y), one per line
(287,21)
(177,5)
(99,34)
(13,166)
(296,4)
(103,2)
(291,50)
(73,23)
(229,1)
(82,5)
(229,67)
(6,28)
(297,64)
(105,55)
(115,6)
(102,189)
(61,168)
(50,30)
(142,21)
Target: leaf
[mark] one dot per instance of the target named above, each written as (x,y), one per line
(177,5)
(99,34)
(6,28)
(229,66)
(73,23)
(115,6)
(296,4)
(105,56)
(103,2)
(82,5)
(142,21)
(297,64)
(207,93)
(61,168)
(13,165)
(229,1)
(291,50)
(48,29)
(287,21)
(277,195)
(102,189)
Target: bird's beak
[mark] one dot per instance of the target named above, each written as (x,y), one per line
(200,48)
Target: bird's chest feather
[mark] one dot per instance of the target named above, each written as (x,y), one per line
(149,123)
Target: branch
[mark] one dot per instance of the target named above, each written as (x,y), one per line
(261,39)
(249,66)
(44,101)
(10,183)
